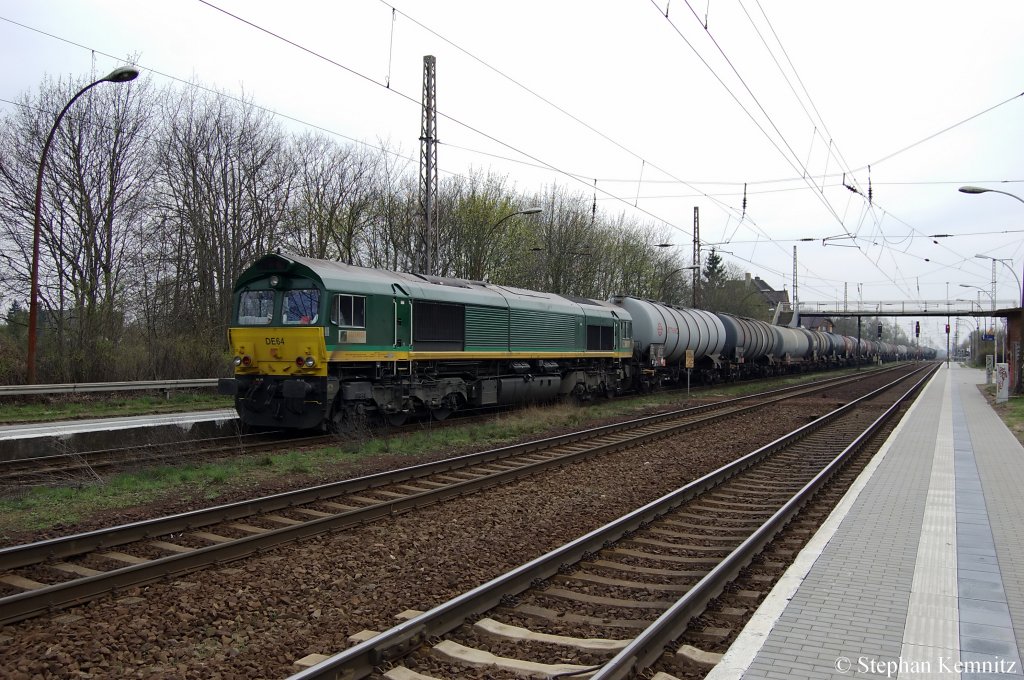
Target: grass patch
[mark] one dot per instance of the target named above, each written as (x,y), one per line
(72,407)
(48,507)
(1011,411)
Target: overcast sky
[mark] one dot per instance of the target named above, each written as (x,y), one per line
(665,115)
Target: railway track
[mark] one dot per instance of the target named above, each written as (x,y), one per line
(73,466)
(39,577)
(610,603)
(77,466)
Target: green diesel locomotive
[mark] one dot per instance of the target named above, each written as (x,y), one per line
(319,343)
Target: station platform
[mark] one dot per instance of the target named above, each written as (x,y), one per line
(919,571)
(72,427)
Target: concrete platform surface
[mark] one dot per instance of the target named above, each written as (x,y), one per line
(919,572)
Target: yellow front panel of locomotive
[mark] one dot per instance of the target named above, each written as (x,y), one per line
(278,351)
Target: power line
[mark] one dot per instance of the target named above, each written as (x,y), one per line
(449,117)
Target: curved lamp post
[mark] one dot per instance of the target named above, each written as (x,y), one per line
(664,279)
(1013,271)
(476,269)
(995,342)
(525,211)
(118,75)
(981,190)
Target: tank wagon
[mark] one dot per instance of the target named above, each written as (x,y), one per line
(668,333)
(746,348)
(321,342)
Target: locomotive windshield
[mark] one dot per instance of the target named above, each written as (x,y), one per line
(300,306)
(255,307)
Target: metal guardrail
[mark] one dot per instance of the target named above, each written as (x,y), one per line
(70,388)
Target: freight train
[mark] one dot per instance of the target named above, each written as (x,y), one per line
(322,344)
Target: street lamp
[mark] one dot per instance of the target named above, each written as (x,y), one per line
(527,211)
(118,75)
(664,280)
(995,342)
(1013,271)
(981,190)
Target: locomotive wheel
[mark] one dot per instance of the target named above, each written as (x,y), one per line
(342,421)
(451,403)
(397,419)
(440,413)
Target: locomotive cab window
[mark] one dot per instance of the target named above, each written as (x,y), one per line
(300,306)
(255,307)
(349,311)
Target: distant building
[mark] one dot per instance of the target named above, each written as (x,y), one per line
(817,323)
(772,298)
(749,296)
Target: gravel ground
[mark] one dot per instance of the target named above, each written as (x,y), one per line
(254,618)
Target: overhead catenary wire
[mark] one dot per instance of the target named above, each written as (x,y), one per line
(604,195)
(791,158)
(750,223)
(472,128)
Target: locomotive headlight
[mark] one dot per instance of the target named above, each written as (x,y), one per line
(238,361)
(247,360)
(310,362)
(305,362)
(275,281)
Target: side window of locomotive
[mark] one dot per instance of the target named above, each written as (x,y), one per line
(349,311)
(255,307)
(300,306)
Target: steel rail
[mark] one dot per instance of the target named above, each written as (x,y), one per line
(13,557)
(34,602)
(360,660)
(647,647)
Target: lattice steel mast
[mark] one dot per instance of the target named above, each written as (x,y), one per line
(428,166)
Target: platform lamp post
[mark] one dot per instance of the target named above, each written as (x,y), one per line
(118,75)
(526,211)
(995,340)
(494,229)
(982,190)
(664,279)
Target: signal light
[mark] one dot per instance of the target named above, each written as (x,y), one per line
(917,329)
(879,331)
(947,329)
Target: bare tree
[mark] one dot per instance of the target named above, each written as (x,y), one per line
(392,237)
(334,198)
(96,181)
(477,240)
(225,182)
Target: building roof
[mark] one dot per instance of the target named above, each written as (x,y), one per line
(771,296)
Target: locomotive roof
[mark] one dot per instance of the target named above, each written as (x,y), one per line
(347,278)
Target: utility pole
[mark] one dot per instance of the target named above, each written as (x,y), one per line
(796,298)
(696,255)
(428,163)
